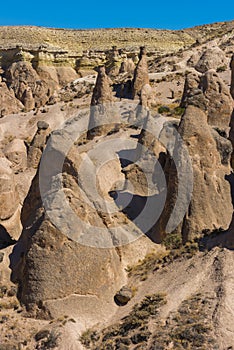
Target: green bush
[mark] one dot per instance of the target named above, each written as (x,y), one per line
(221,69)
(179,110)
(164,110)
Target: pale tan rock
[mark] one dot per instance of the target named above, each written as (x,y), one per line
(141,77)
(102,92)
(209,93)
(50,75)
(16,153)
(232,77)
(220,103)
(38,144)
(21,76)
(9,104)
(94,274)
(193,94)
(211,205)
(8,194)
(146,96)
(66,75)
(127,66)
(102,114)
(113,62)
(212,58)
(28,100)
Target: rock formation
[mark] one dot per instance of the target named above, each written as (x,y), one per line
(141,77)
(102,92)
(28,100)
(209,93)
(192,81)
(16,153)
(211,205)
(9,104)
(213,58)
(102,114)
(146,96)
(219,99)
(9,203)
(88,62)
(139,213)
(8,195)
(113,62)
(127,66)
(38,144)
(45,251)
(26,83)
(231,134)
(232,77)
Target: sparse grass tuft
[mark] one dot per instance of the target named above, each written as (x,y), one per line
(132,329)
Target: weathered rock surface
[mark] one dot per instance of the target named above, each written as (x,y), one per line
(45,251)
(59,269)
(66,75)
(211,205)
(220,102)
(38,144)
(10,225)
(16,153)
(146,96)
(22,78)
(124,295)
(28,100)
(232,77)
(102,92)
(113,62)
(209,93)
(102,114)
(9,104)
(8,193)
(212,58)
(141,77)
(192,94)
(127,66)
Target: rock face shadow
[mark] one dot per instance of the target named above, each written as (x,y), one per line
(143,211)
(5,238)
(221,238)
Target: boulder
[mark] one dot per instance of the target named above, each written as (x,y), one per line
(123,296)
(212,58)
(16,153)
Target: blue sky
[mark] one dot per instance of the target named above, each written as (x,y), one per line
(105,14)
